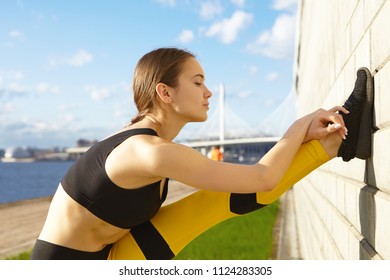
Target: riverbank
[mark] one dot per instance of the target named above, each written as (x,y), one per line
(20,224)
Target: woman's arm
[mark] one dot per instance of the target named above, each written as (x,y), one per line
(186,165)
(310,127)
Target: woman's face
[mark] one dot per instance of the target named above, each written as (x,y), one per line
(190,98)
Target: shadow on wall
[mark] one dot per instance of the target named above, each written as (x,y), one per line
(367,210)
(367,213)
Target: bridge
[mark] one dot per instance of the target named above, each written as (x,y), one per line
(239,141)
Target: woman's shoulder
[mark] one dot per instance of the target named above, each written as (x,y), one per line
(135,156)
(138,143)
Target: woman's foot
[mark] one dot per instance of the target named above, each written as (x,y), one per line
(359,120)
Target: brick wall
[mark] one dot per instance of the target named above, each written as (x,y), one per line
(343,209)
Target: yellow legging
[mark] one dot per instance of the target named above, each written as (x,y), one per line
(177,224)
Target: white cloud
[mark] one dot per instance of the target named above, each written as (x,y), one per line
(41,132)
(43,87)
(67,118)
(186,36)
(289,5)
(63,108)
(272,76)
(10,84)
(16,35)
(98,94)
(16,88)
(7,108)
(277,42)
(238,3)
(16,75)
(80,58)
(253,70)
(11,75)
(116,91)
(209,10)
(227,30)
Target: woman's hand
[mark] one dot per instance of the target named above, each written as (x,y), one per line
(325,122)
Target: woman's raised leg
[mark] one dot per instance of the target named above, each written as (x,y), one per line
(177,224)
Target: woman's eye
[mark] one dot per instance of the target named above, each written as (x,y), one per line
(198,84)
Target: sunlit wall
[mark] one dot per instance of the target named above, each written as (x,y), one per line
(343,209)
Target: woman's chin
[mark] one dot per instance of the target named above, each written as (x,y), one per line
(202,119)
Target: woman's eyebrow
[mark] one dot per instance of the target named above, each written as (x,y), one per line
(199,75)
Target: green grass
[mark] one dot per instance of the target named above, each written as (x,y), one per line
(248,237)
(21,256)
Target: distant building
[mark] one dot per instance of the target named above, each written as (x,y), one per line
(85,143)
(18,154)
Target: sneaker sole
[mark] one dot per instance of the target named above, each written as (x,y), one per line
(363,148)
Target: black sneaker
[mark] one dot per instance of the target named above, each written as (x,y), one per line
(359,121)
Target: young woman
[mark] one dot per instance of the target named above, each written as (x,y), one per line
(115,191)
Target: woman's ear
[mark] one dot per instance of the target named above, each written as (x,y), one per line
(163,93)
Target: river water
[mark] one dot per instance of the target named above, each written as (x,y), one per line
(20,181)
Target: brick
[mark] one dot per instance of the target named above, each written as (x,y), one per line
(371,8)
(353,246)
(354,169)
(381,160)
(382,231)
(349,74)
(340,232)
(382,96)
(357,25)
(363,53)
(379,42)
(351,201)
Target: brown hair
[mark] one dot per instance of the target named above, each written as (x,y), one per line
(162,65)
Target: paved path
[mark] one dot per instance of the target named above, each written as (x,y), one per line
(20,224)
(288,241)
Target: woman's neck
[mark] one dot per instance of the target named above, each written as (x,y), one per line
(165,128)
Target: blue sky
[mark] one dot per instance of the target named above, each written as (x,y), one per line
(66,66)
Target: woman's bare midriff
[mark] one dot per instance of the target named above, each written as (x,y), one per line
(76,227)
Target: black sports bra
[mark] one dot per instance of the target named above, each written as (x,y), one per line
(88,183)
